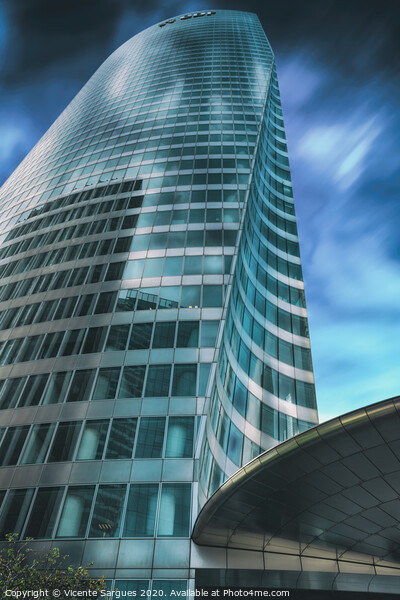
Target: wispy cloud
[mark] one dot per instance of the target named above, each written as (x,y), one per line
(339,150)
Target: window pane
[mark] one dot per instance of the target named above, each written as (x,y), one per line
(184,383)
(38,443)
(140,336)
(132,585)
(134,269)
(150,437)
(193,264)
(75,513)
(94,341)
(212,264)
(188,334)
(122,437)
(173,266)
(132,382)
(64,442)
(33,391)
(164,587)
(212,295)
(14,511)
(204,374)
(51,345)
(93,439)
(106,384)
(72,342)
(147,299)
(190,296)
(158,378)
(105,302)
(180,437)
(209,330)
(107,512)
(11,391)
(153,267)
(117,337)
(164,335)
(174,514)
(11,445)
(141,511)
(57,388)
(44,513)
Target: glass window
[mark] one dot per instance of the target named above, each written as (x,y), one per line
(106,384)
(10,392)
(212,264)
(51,344)
(75,512)
(188,334)
(117,337)
(169,297)
(286,388)
(132,382)
(180,437)
(94,341)
(93,439)
(30,347)
(164,335)
(147,299)
(114,271)
(38,444)
(153,267)
(140,242)
(12,444)
(174,513)
(239,397)
(106,519)
(57,388)
(209,330)
(34,390)
(85,305)
(173,266)
(132,585)
(14,511)
(134,269)
(150,437)
(212,295)
(140,336)
(65,308)
(105,302)
(158,377)
(204,374)
(166,586)
(126,300)
(190,296)
(213,237)
(44,513)
(64,442)
(193,264)
(122,438)
(235,444)
(184,383)
(72,342)
(141,510)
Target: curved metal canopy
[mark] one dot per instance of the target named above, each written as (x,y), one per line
(337,484)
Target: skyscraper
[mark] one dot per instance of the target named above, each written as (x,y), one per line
(153,325)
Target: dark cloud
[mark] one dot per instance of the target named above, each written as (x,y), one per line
(45,33)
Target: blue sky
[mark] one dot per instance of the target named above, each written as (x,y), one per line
(338,70)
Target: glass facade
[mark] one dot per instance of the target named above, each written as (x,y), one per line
(153,330)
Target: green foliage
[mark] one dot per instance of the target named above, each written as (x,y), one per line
(22,568)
